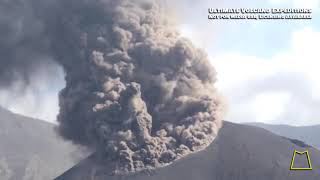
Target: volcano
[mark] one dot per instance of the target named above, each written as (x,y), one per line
(30,149)
(240,152)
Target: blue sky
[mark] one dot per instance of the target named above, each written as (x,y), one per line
(267,70)
(248,37)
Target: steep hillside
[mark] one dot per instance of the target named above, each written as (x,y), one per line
(240,152)
(308,134)
(31,150)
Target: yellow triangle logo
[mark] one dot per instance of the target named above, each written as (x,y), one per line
(306,153)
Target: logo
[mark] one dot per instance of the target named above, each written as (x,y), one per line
(304,153)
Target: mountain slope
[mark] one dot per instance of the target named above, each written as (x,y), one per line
(31,150)
(240,152)
(308,134)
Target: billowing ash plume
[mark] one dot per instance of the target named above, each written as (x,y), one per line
(23,46)
(135,90)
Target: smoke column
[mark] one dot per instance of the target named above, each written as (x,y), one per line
(23,45)
(135,90)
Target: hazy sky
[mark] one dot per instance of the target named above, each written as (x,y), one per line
(268,70)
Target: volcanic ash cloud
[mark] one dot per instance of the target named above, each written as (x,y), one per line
(135,90)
